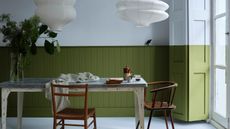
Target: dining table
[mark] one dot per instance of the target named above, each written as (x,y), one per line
(39,85)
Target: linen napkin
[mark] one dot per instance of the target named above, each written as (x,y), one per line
(66,79)
(61,102)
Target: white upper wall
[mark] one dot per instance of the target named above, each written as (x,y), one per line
(97,24)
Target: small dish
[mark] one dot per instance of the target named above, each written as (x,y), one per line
(114,81)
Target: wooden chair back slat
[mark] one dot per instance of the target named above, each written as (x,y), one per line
(72,113)
(69,95)
(82,91)
(162,95)
(163,92)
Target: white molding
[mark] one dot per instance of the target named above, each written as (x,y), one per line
(228,60)
(217,125)
(219,15)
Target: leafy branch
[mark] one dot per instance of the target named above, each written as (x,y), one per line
(22,37)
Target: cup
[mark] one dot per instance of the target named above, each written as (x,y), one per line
(137,77)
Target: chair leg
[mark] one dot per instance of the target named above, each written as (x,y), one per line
(94,121)
(63,124)
(85,124)
(166,121)
(54,123)
(150,117)
(172,122)
(138,123)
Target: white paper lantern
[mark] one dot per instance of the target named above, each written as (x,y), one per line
(55,13)
(142,12)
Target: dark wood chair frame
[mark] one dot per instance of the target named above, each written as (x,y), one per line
(164,106)
(72,113)
(161,105)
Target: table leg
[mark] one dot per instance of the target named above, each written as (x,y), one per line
(5,94)
(136,111)
(19,109)
(139,107)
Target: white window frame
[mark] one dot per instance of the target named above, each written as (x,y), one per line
(228,60)
(214,17)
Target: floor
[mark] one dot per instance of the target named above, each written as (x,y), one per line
(107,123)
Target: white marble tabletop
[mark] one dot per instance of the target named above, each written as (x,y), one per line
(40,83)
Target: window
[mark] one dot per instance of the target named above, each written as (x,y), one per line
(219,86)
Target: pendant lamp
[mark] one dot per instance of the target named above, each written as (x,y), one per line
(142,12)
(55,13)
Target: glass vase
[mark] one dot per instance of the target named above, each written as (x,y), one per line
(16,67)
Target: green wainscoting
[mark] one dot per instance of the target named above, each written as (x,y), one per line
(199,74)
(189,66)
(152,62)
(178,73)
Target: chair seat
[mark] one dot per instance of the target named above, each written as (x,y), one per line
(159,105)
(73,113)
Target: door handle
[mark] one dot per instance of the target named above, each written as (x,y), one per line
(227,33)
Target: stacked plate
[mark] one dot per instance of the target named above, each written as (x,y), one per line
(142,12)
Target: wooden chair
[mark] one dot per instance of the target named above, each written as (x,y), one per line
(162,99)
(72,113)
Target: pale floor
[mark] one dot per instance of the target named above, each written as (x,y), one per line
(108,123)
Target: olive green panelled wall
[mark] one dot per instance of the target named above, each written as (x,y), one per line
(152,62)
(199,74)
(189,66)
(178,73)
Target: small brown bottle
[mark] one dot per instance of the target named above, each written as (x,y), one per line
(127,72)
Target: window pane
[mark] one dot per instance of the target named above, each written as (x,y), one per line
(220,47)
(220,93)
(220,6)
